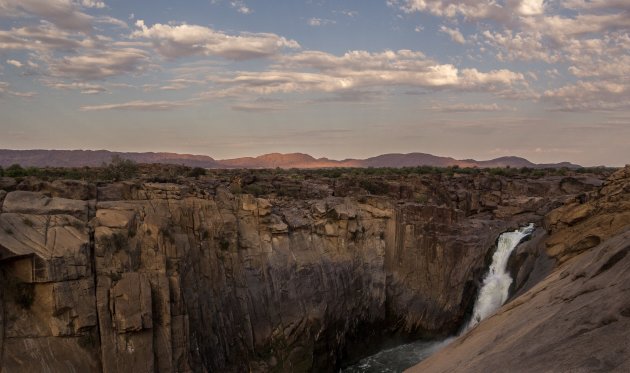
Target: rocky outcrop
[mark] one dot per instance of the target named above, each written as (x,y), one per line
(590,218)
(197,276)
(577,318)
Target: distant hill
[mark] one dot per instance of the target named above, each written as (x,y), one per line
(79,158)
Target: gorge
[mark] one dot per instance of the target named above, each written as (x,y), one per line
(269,271)
(492,294)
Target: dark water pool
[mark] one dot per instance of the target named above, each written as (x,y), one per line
(398,358)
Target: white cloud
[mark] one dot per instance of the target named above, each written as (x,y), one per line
(112,21)
(590,95)
(359,71)
(522,46)
(469,9)
(561,28)
(350,13)
(65,14)
(85,88)
(320,22)
(463,108)
(15,63)
(139,105)
(100,65)
(596,4)
(530,7)
(41,38)
(5,89)
(240,7)
(259,106)
(92,4)
(455,34)
(174,41)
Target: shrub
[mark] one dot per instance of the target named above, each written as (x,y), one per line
(88,340)
(422,198)
(254,189)
(168,234)
(28,222)
(196,172)
(15,170)
(120,169)
(114,242)
(373,186)
(224,244)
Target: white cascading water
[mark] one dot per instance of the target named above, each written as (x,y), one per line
(494,291)
(492,295)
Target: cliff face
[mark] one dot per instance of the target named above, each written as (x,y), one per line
(143,277)
(577,318)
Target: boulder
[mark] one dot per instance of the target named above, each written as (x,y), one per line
(40,204)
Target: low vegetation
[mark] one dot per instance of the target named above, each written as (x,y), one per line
(114,242)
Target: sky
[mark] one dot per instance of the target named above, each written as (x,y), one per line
(545,80)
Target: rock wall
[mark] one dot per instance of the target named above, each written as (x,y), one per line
(143,277)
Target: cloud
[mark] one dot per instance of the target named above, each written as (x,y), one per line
(590,95)
(140,105)
(455,34)
(349,13)
(524,46)
(468,9)
(530,7)
(358,71)
(42,38)
(112,21)
(15,63)
(561,28)
(180,83)
(320,22)
(93,4)
(464,108)
(100,65)
(173,41)
(240,7)
(65,14)
(596,4)
(85,88)
(5,89)
(260,105)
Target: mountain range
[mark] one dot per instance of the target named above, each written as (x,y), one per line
(80,158)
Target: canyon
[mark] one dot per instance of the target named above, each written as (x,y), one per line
(269,271)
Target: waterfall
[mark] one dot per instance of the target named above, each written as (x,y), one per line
(494,291)
(492,295)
